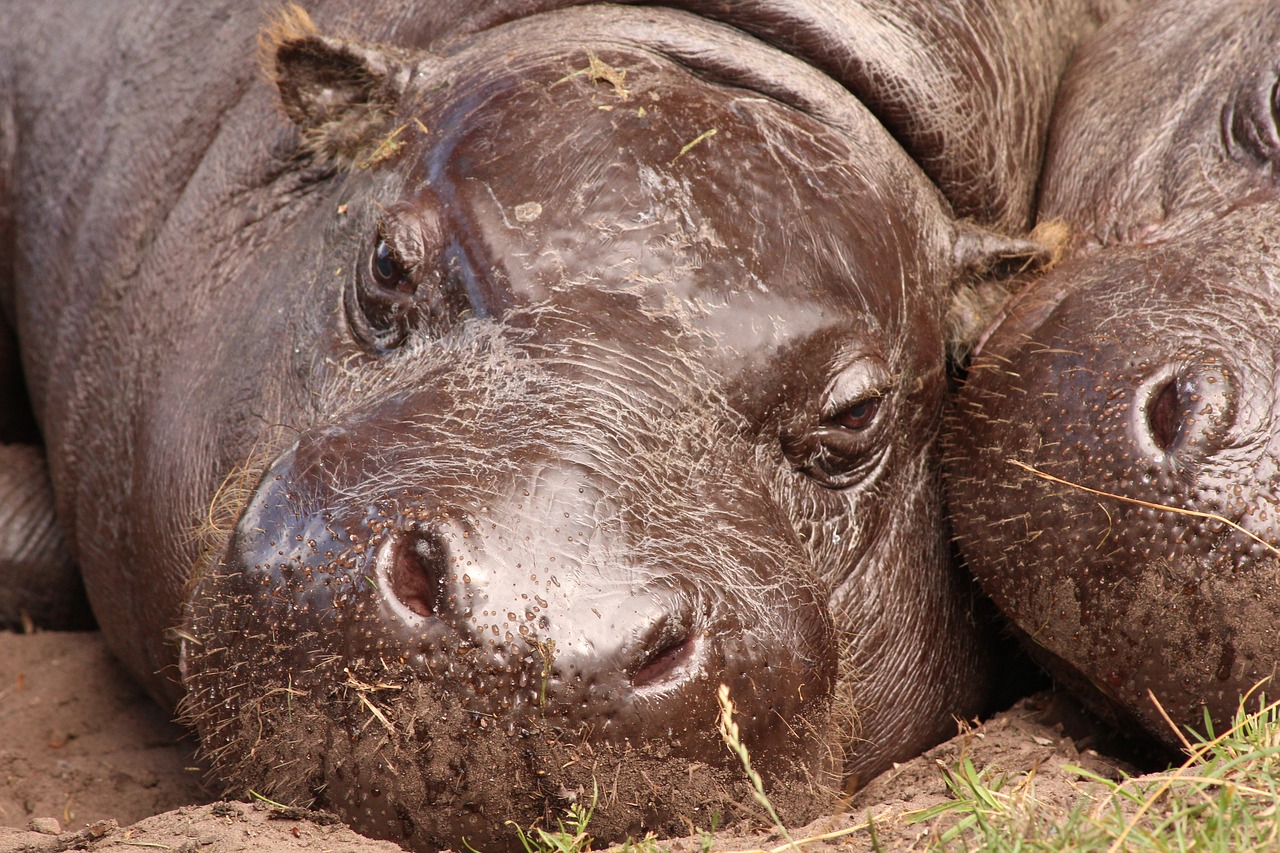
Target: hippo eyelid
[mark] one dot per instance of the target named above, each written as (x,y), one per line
(844,444)
(864,380)
(412,277)
(405,232)
(387,269)
(857,416)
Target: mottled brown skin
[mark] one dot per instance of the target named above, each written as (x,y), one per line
(457,433)
(1143,368)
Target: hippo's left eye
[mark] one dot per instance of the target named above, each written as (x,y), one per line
(387,269)
(849,438)
(842,445)
(857,416)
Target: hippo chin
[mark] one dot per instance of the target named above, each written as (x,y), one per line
(443,445)
(1114,461)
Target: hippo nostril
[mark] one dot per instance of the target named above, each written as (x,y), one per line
(415,569)
(666,659)
(1164,414)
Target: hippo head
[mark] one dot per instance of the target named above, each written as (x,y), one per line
(613,378)
(1114,464)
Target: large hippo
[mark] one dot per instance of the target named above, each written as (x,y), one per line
(1114,469)
(441,425)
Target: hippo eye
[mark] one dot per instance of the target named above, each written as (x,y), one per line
(386,268)
(1251,121)
(858,416)
(842,445)
(412,278)
(381,305)
(850,440)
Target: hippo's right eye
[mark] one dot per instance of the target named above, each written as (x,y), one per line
(410,277)
(382,302)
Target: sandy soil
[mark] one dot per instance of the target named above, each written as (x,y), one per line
(88,762)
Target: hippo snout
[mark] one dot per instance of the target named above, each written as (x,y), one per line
(1131,440)
(629,658)
(548,628)
(671,648)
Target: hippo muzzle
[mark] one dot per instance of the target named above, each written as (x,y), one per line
(451,613)
(1113,469)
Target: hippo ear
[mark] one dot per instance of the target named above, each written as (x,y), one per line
(342,94)
(989,268)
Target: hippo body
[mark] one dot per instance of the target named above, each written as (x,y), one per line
(1142,372)
(543,370)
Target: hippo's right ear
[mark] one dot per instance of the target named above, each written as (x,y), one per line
(989,268)
(341,94)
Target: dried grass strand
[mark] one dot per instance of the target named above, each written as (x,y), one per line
(1213,516)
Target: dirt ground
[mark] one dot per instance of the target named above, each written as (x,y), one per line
(88,762)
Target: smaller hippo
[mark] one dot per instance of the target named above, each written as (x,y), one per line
(1113,459)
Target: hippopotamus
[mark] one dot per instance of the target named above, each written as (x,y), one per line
(445,406)
(1114,462)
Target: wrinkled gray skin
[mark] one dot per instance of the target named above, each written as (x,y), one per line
(1145,367)
(659,415)
(41,584)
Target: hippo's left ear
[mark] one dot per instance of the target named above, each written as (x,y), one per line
(342,94)
(989,268)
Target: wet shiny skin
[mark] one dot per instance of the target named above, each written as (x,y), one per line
(294,373)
